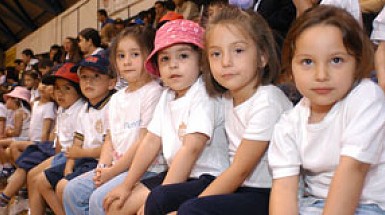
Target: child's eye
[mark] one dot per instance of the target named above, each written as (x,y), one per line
(337,60)
(215,54)
(238,50)
(120,56)
(134,55)
(306,62)
(183,56)
(164,59)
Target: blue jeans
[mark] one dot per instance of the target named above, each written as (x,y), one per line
(313,206)
(82,197)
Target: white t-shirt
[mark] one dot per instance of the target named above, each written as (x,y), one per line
(97,51)
(378,32)
(26,122)
(354,127)
(31,62)
(91,125)
(34,95)
(255,119)
(195,112)
(3,111)
(39,114)
(129,112)
(66,122)
(352,6)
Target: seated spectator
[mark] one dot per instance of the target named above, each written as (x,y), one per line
(119,25)
(29,58)
(90,42)
(72,50)
(45,66)
(107,34)
(160,11)
(188,9)
(102,17)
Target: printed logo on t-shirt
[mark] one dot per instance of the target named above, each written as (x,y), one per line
(128,125)
(99,126)
(182,131)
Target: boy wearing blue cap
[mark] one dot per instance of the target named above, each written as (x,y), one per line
(97,84)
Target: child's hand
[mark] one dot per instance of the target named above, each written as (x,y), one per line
(102,175)
(73,152)
(8,132)
(172,213)
(119,194)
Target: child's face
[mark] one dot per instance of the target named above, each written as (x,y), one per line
(29,82)
(323,69)
(65,94)
(45,91)
(12,103)
(233,59)
(130,60)
(84,44)
(95,86)
(67,45)
(179,67)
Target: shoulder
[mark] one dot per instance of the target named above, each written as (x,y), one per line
(365,91)
(271,95)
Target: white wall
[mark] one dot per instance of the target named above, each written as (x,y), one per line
(69,23)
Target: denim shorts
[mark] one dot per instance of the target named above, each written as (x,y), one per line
(312,206)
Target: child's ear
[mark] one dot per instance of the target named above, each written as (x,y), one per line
(264,60)
(111,83)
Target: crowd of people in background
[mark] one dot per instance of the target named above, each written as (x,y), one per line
(202,107)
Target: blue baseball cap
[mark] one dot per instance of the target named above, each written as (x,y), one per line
(96,63)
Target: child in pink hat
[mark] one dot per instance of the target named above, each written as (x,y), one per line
(187,127)
(16,101)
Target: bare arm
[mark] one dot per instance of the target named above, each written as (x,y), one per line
(18,124)
(246,158)
(71,161)
(380,64)
(2,127)
(346,187)
(45,133)
(126,160)
(303,5)
(185,159)
(106,151)
(283,198)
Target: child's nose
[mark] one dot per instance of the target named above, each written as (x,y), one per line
(321,73)
(226,60)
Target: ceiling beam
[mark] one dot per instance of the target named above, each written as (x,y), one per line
(16,14)
(5,14)
(24,12)
(43,5)
(7,32)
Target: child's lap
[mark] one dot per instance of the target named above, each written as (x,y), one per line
(56,173)
(35,154)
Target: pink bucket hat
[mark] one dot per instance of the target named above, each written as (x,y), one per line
(20,93)
(174,32)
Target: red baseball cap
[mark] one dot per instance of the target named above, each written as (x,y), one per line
(63,72)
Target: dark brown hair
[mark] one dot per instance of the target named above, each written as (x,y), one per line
(252,25)
(144,37)
(354,38)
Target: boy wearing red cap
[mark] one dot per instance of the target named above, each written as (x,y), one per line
(97,84)
(37,157)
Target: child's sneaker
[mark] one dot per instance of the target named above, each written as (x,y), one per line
(3,204)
